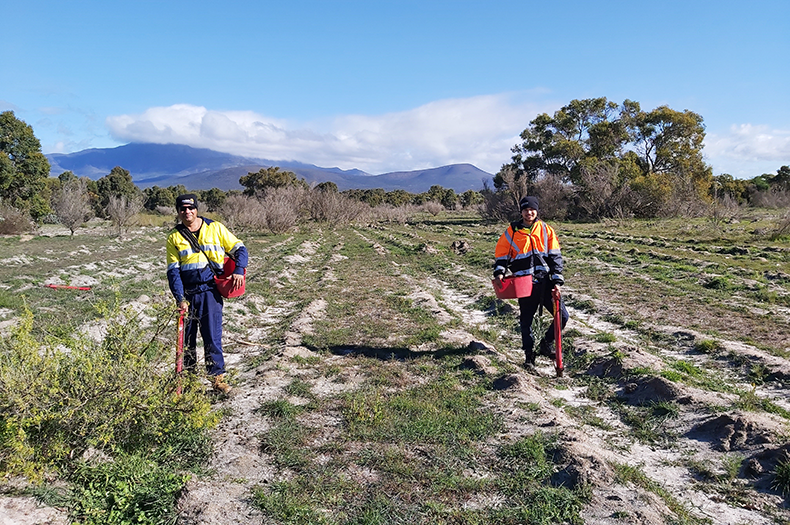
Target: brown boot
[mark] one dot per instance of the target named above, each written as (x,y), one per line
(219,385)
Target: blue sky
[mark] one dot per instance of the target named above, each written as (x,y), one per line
(388,86)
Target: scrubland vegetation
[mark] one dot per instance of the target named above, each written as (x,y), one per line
(378,378)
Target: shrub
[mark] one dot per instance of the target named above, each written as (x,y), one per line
(282,207)
(240,212)
(390,213)
(14,221)
(434,208)
(334,208)
(72,206)
(782,227)
(121,210)
(781,480)
(64,397)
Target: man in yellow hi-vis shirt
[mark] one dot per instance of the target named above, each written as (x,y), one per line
(530,247)
(191,281)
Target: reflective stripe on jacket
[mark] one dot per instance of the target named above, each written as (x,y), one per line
(529,251)
(187,270)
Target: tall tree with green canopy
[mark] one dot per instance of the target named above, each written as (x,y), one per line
(156,197)
(256,183)
(213,198)
(23,168)
(118,183)
(625,158)
(557,144)
(670,142)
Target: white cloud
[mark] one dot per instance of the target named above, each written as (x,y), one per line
(478,130)
(748,150)
(8,106)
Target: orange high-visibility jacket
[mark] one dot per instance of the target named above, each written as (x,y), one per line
(529,251)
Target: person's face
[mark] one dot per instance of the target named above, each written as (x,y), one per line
(187,213)
(529,215)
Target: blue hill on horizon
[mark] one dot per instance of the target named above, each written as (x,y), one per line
(201,169)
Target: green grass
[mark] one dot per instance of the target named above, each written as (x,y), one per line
(647,422)
(605,337)
(440,411)
(781,481)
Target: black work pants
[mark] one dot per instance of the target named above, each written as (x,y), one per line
(528,306)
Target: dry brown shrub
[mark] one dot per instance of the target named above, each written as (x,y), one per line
(432,207)
(283,207)
(395,214)
(553,196)
(723,210)
(240,212)
(333,208)
(782,227)
(122,210)
(502,205)
(72,205)
(14,221)
(498,207)
(773,198)
(165,210)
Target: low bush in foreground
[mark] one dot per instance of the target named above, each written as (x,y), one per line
(103,416)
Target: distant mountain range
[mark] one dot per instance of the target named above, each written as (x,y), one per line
(202,169)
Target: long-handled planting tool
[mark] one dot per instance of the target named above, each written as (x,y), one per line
(180,350)
(558,333)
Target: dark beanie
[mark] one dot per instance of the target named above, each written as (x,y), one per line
(187,199)
(528,202)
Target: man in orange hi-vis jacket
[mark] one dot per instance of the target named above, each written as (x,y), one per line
(530,247)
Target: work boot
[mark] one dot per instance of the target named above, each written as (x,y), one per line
(529,360)
(530,367)
(219,385)
(547,349)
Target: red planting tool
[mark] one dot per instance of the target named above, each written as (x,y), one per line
(64,287)
(180,350)
(558,332)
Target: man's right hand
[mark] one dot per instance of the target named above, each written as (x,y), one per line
(183,307)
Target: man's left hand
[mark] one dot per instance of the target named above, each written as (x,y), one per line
(556,292)
(237,280)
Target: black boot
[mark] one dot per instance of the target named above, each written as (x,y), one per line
(547,349)
(529,359)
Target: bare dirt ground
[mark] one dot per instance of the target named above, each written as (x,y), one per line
(700,443)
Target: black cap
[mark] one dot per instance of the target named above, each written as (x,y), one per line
(528,202)
(187,199)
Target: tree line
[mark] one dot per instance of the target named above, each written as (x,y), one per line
(594,158)
(590,160)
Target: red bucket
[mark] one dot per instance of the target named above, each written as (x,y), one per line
(513,287)
(225,285)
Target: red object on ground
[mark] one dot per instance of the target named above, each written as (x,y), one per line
(180,350)
(558,333)
(512,287)
(225,284)
(64,287)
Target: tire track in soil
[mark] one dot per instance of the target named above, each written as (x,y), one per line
(237,464)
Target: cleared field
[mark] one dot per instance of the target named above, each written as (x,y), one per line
(379,379)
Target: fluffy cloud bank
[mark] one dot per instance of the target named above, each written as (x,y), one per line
(748,150)
(479,130)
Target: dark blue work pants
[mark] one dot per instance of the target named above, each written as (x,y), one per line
(205,314)
(528,306)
